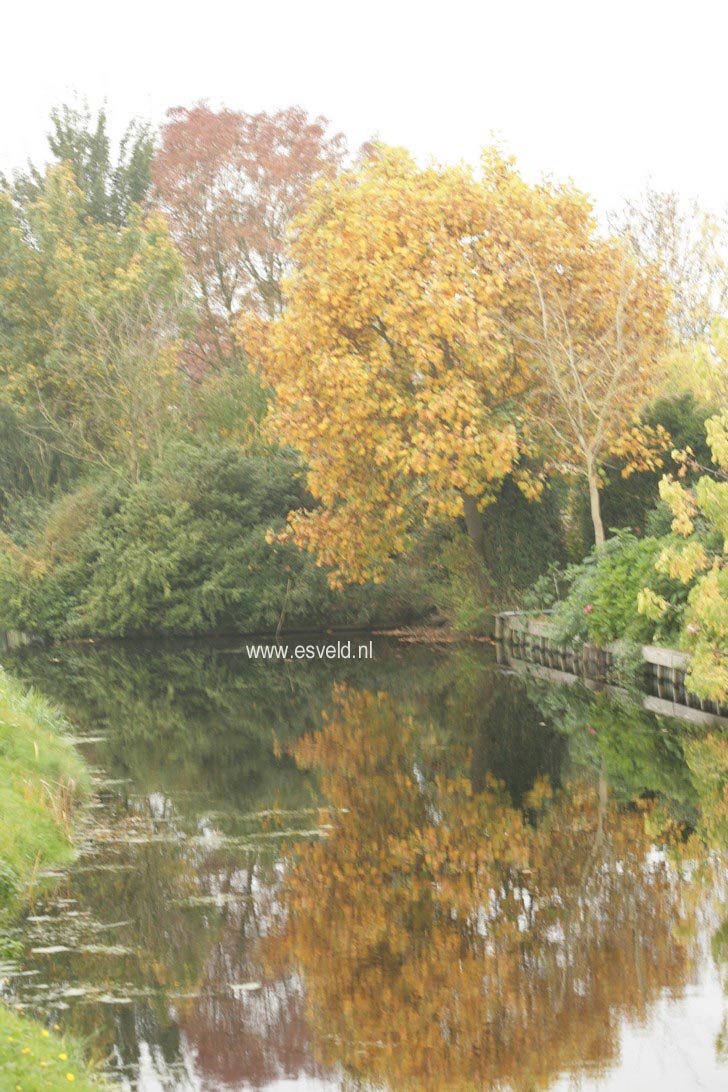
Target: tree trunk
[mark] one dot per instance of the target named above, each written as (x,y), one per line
(474,525)
(595,505)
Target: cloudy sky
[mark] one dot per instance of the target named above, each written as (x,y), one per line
(608,94)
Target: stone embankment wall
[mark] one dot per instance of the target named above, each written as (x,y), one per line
(527,637)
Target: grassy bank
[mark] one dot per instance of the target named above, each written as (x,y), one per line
(32,1058)
(41,778)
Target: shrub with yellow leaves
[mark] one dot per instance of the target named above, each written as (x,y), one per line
(700,517)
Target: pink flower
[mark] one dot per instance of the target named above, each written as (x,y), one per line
(590,730)
(588,608)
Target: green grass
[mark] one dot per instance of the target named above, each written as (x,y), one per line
(42,777)
(32,1058)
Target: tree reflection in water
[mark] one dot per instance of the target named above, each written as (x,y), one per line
(448,939)
(483,910)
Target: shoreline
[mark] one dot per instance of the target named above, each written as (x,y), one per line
(43,780)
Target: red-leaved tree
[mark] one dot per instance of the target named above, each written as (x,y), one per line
(230,184)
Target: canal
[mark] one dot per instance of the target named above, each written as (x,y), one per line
(419,871)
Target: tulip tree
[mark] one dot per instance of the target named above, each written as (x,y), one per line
(393,367)
(439,325)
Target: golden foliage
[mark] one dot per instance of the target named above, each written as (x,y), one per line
(419,355)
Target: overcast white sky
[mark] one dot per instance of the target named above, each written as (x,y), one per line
(607,93)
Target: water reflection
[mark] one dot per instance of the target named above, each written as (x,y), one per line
(416,871)
(450,940)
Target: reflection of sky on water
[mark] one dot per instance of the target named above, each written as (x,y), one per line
(675,1051)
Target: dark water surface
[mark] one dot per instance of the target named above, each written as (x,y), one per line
(419,872)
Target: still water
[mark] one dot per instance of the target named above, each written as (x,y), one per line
(419,872)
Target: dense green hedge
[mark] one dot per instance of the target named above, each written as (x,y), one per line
(185,550)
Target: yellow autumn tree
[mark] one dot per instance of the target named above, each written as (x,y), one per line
(593,331)
(408,364)
(390,372)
